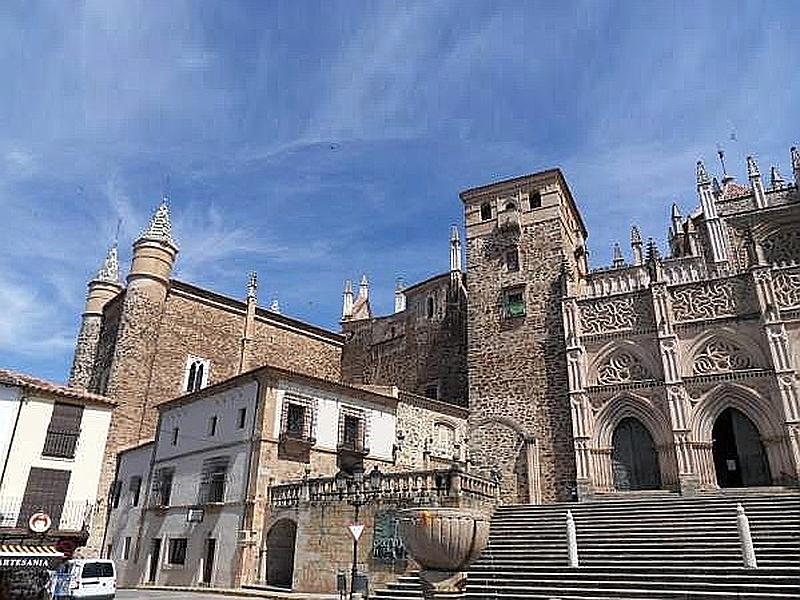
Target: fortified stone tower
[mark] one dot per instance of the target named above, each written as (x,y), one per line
(137,335)
(127,347)
(522,236)
(103,288)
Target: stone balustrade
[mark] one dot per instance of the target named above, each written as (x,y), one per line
(603,282)
(436,485)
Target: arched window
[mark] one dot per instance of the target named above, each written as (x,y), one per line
(196,374)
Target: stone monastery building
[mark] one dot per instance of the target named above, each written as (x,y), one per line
(657,372)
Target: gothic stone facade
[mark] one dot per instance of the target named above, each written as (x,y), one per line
(683,370)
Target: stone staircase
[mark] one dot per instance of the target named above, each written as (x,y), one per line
(655,546)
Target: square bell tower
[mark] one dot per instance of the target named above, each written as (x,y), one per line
(523,236)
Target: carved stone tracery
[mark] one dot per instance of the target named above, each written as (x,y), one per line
(783,247)
(707,301)
(787,289)
(721,356)
(621,367)
(624,313)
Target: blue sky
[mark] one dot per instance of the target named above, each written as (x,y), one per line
(312,142)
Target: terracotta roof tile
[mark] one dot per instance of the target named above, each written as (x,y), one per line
(42,385)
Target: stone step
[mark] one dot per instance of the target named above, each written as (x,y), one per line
(508,590)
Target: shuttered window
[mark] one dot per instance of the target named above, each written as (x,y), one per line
(63,431)
(45,491)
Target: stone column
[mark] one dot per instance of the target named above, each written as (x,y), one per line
(677,399)
(786,378)
(579,404)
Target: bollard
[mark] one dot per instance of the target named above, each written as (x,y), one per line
(746,540)
(572,541)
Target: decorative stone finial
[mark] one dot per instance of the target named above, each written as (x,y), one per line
(252,285)
(676,212)
(455,250)
(617,259)
(399,296)
(653,252)
(775,178)
(363,287)
(752,168)
(160,228)
(702,176)
(636,245)
(796,164)
(109,271)
(275,306)
(636,236)
(347,302)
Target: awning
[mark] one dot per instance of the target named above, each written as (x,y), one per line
(24,556)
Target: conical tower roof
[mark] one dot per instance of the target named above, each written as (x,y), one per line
(160,228)
(109,271)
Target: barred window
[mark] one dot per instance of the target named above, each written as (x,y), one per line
(212,480)
(353,429)
(161,492)
(177,551)
(297,419)
(63,431)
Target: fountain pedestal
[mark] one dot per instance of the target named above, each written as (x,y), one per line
(444,541)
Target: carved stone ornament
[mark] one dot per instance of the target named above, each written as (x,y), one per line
(614,314)
(787,289)
(721,356)
(707,301)
(621,367)
(783,247)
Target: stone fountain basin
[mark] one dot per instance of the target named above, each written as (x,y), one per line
(444,539)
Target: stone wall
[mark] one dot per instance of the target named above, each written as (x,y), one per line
(517,366)
(413,349)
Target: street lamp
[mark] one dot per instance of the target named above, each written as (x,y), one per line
(353,487)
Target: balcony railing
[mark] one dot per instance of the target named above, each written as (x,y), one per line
(70,515)
(411,486)
(60,444)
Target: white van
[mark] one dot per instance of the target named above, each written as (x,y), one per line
(86,578)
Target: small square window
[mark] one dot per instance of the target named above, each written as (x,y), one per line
(512,260)
(486,211)
(177,551)
(514,303)
(534,200)
(241,418)
(212,426)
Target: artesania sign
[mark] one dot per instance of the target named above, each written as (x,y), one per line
(39,522)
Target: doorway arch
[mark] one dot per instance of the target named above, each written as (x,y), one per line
(280,553)
(740,459)
(634,458)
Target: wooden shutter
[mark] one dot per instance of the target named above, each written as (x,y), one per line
(45,491)
(66,418)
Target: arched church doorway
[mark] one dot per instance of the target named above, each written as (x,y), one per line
(634,458)
(280,553)
(739,456)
